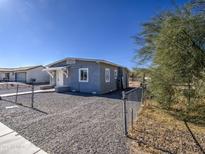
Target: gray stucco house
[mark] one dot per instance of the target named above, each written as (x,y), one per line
(87,75)
(24,74)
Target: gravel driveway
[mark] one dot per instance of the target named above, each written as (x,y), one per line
(69,123)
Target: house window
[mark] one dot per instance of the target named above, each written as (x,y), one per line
(107,75)
(115,74)
(83,75)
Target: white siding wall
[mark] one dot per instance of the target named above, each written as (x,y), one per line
(38,74)
(11,76)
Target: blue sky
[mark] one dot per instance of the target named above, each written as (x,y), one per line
(36,32)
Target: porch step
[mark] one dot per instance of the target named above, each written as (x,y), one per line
(45,87)
(62,89)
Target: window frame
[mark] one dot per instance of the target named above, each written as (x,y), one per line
(107,69)
(79,74)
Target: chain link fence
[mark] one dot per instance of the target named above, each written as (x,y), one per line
(132,101)
(17,93)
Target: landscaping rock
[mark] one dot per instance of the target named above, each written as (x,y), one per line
(69,123)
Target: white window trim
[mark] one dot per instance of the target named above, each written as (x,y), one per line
(107,69)
(79,73)
(115,74)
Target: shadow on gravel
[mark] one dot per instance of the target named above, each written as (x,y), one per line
(24,106)
(112,95)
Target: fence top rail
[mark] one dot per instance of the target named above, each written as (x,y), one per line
(14,84)
(124,93)
(132,90)
(3,83)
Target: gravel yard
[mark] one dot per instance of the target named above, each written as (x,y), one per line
(69,123)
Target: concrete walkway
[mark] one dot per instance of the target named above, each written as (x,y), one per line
(27,92)
(12,143)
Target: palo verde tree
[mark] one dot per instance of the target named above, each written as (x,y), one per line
(175,43)
(179,56)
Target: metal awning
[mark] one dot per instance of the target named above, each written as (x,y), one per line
(55,68)
(50,70)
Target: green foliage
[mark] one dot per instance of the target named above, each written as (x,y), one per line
(175,42)
(147,38)
(161,88)
(151,29)
(139,73)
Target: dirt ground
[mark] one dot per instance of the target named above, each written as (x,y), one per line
(156,131)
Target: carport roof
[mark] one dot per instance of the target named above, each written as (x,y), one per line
(19,68)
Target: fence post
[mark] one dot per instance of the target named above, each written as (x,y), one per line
(125,113)
(32,96)
(132,118)
(17,89)
(142,99)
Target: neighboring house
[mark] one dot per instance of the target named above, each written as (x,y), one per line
(24,74)
(87,75)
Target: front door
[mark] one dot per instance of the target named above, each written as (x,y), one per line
(59,78)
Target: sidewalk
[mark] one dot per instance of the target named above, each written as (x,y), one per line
(12,143)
